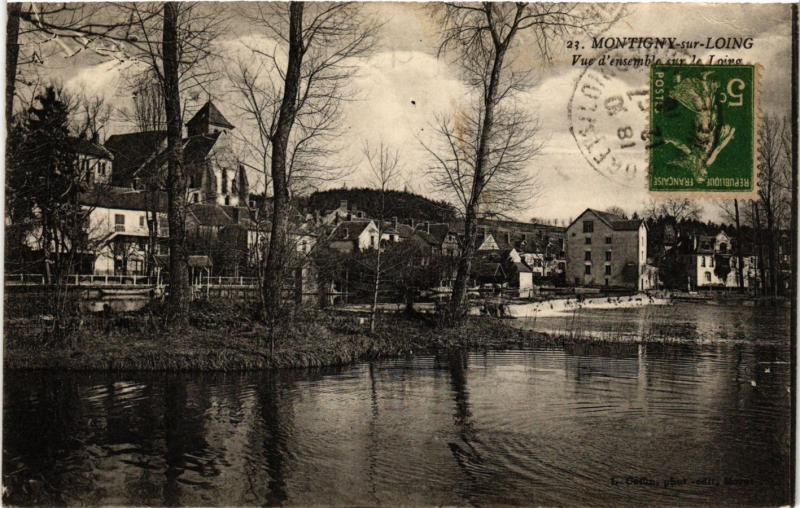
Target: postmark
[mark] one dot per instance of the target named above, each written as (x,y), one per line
(609,113)
(703,126)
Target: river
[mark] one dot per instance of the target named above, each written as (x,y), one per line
(582,424)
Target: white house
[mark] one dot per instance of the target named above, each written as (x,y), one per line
(712,263)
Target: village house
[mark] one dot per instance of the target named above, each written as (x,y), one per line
(343,213)
(440,239)
(604,249)
(713,263)
(361,235)
(124,226)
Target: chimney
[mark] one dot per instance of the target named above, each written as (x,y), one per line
(427,227)
(412,222)
(95,137)
(394,222)
(343,204)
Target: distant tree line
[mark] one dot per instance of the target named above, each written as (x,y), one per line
(401,204)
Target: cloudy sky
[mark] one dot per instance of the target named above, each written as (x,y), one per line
(403,85)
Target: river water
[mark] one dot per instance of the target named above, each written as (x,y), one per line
(586,424)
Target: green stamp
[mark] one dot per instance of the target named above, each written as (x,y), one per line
(702,129)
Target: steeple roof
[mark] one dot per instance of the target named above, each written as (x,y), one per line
(210,115)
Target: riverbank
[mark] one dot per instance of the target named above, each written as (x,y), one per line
(226,339)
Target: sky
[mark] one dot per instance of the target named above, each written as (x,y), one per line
(403,85)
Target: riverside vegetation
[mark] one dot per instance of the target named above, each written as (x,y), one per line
(230,337)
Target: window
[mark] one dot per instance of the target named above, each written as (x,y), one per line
(608,239)
(708,276)
(702,261)
(723,247)
(588,226)
(606,281)
(587,256)
(141,221)
(608,271)
(608,255)
(588,240)
(103,169)
(119,222)
(587,269)
(711,261)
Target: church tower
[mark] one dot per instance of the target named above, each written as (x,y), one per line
(208,120)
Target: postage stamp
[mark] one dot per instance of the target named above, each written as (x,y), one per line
(703,130)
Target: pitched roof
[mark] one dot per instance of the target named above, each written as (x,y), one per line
(196,148)
(427,237)
(124,198)
(87,147)
(210,215)
(349,230)
(131,151)
(614,221)
(487,269)
(209,113)
(626,225)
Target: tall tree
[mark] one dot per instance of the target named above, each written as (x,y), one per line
(176,179)
(774,199)
(483,152)
(383,165)
(320,39)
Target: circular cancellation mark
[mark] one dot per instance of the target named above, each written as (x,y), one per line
(609,113)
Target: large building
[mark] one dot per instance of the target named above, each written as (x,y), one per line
(215,174)
(603,249)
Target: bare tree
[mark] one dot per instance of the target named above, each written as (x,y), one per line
(320,42)
(174,42)
(51,30)
(384,169)
(774,199)
(482,153)
(730,210)
(617,210)
(677,209)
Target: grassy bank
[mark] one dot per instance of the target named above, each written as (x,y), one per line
(229,338)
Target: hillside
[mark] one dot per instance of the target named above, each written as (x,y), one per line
(400,204)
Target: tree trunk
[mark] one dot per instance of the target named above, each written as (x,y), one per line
(374,311)
(739,244)
(458,300)
(759,244)
(176,180)
(12,55)
(277,256)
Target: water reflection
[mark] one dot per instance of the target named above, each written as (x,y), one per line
(679,322)
(549,426)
